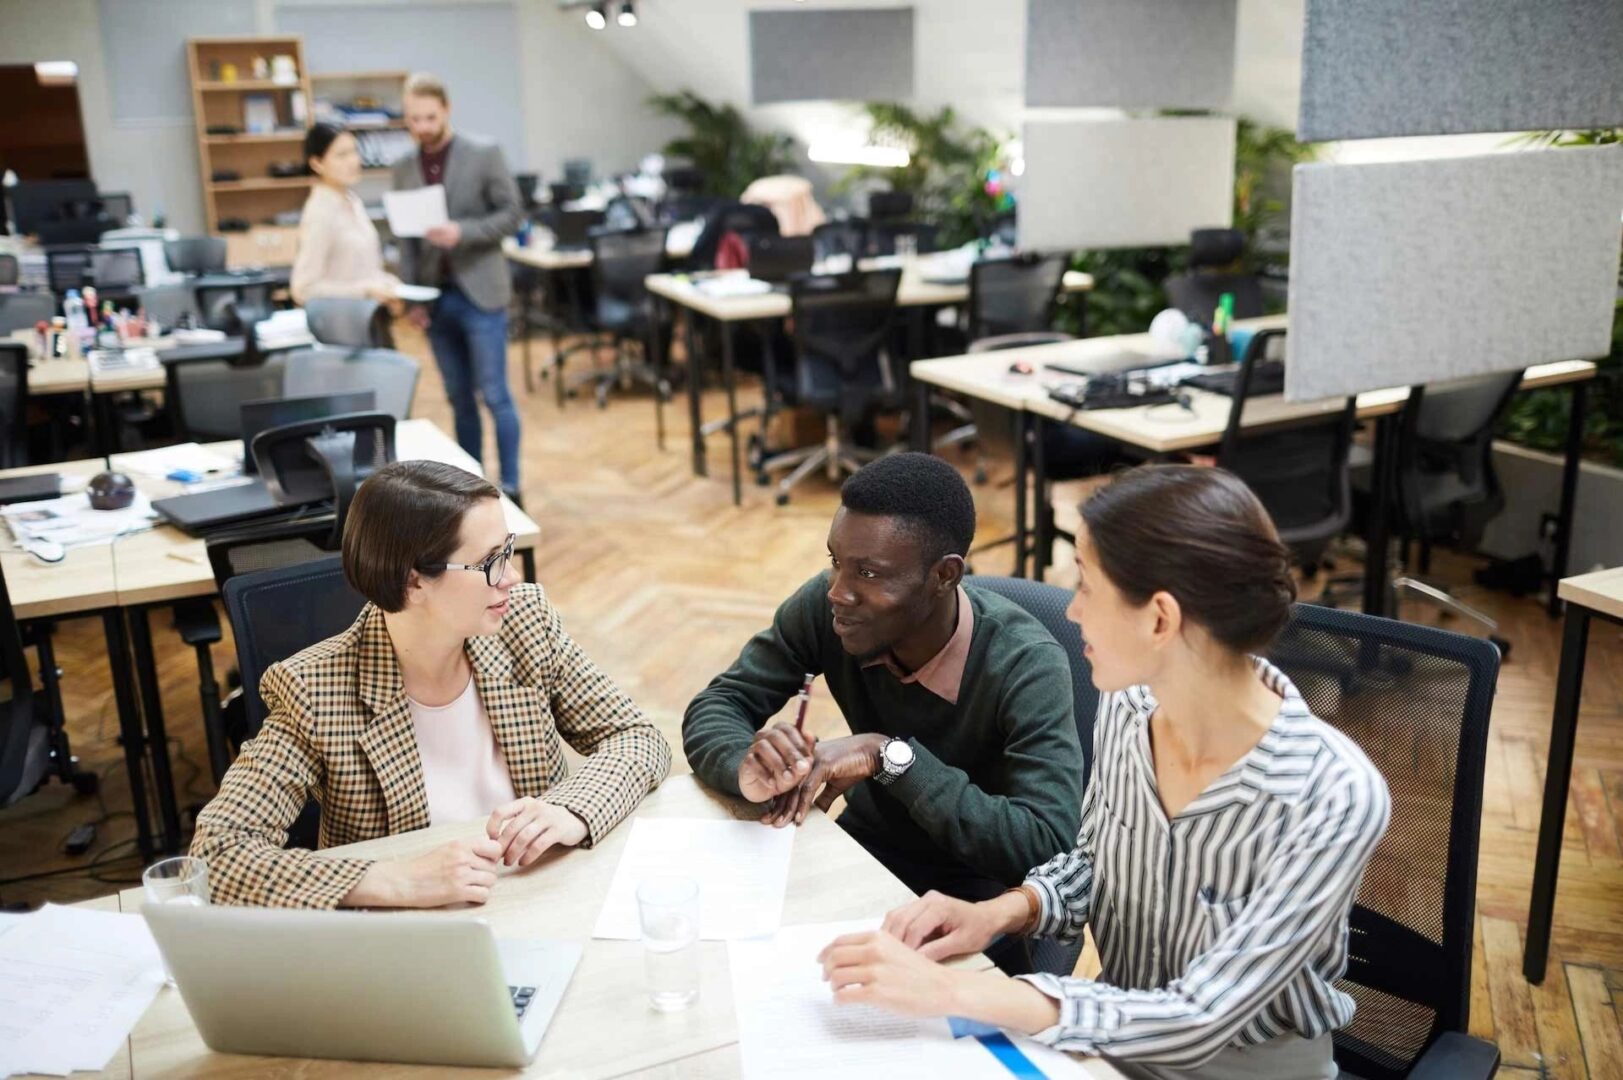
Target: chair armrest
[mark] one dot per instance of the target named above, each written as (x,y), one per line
(1456,1056)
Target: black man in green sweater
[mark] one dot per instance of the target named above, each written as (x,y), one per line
(963,769)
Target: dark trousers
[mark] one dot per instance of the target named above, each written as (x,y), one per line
(954,879)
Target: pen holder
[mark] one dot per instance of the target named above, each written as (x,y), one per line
(1218,350)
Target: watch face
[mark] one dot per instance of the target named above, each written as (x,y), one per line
(898,753)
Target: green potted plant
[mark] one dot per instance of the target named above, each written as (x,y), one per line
(721,145)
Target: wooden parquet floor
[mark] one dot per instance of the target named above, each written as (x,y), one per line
(662,579)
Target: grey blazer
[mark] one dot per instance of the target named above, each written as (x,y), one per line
(481,197)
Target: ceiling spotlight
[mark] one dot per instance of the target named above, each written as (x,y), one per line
(628,14)
(595,17)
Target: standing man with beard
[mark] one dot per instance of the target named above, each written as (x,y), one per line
(467,325)
(963,764)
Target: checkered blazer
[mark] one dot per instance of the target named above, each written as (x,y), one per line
(340,732)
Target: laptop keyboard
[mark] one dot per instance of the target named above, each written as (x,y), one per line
(522,996)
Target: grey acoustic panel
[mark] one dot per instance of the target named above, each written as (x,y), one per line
(1373,68)
(1125,183)
(471,44)
(1422,271)
(144,47)
(831,54)
(1168,54)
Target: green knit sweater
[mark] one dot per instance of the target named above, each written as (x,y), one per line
(996,784)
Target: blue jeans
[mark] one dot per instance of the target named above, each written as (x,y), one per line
(470,346)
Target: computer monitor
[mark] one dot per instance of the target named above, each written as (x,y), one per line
(263,415)
(578,172)
(35,202)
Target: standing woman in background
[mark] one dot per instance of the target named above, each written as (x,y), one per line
(339,251)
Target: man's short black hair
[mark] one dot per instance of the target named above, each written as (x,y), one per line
(922,490)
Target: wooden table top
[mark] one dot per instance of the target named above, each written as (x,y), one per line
(164,563)
(914,291)
(604,1027)
(1157,428)
(1600,591)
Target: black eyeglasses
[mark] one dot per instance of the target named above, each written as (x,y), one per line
(494,567)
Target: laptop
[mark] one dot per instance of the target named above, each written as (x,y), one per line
(776,259)
(358,986)
(200,512)
(265,414)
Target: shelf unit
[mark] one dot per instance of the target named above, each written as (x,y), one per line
(257,197)
(388,87)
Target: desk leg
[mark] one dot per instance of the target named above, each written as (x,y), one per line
(695,386)
(1022,478)
(1376,533)
(919,429)
(1043,534)
(551,298)
(146,673)
(526,295)
(1569,491)
(656,360)
(730,382)
(1552,821)
(130,732)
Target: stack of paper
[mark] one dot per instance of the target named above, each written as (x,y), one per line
(287,329)
(71,522)
(73,983)
(742,868)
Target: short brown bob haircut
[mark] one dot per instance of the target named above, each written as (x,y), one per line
(406,516)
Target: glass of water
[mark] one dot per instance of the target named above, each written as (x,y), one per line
(668,908)
(182,880)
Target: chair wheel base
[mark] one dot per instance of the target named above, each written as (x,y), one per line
(783,500)
(86,783)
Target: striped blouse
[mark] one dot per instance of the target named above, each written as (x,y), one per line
(1228,925)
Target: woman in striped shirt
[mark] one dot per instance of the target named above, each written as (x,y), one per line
(1224,831)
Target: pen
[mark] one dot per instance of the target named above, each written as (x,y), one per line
(805,699)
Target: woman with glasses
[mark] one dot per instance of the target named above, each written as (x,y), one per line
(449,699)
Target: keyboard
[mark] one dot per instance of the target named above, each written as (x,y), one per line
(1267,377)
(522,996)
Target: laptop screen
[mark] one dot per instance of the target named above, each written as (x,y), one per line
(263,415)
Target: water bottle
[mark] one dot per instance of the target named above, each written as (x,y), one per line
(73,308)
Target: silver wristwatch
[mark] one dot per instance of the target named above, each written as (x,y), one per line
(895,758)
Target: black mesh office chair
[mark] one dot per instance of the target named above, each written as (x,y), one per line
(889,205)
(390,375)
(234,304)
(836,238)
(623,311)
(1416,700)
(357,322)
(745,219)
(842,324)
(10,269)
(68,267)
(195,254)
(24,310)
(527,183)
(275,614)
(1048,603)
(13,405)
(205,394)
(33,740)
(323,459)
(1213,256)
(117,274)
(1299,470)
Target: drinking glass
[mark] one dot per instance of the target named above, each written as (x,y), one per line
(668,909)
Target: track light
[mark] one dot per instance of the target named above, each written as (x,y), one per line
(628,14)
(595,17)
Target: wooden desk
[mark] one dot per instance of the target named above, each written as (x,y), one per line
(1588,597)
(604,1027)
(914,294)
(58,377)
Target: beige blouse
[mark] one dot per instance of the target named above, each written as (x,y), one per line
(339,251)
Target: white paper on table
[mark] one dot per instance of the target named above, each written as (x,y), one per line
(73,983)
(191,456)
(742,868)
(414,212)
(72,522)
(790,1028)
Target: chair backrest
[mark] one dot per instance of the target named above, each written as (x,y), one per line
(357,322)
(1213,258)
(1300,469)
(882,236)
(321,459)
(889,205)
(1048,603)
(231,304)
(116,270)
(10,269)
(169,305)
(1014,295)
(847,237)
(68,267)
(13,404)
(842,323)
(622,259)
(276,613)
(117,206)
(527,185)
(24,310)
(205,395)
(1447,487)
(195,254)
(20,770)
(1416,700)
(628,212)
(745,219)
(391,375)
